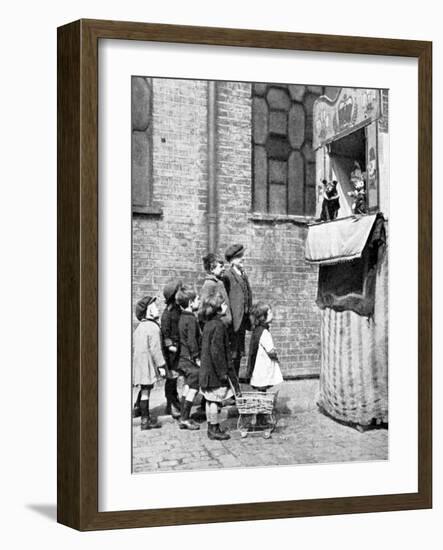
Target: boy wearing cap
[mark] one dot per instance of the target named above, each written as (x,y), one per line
(171,340)
(147,358)
(239,293)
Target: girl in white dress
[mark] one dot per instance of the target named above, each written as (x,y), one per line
(263,365)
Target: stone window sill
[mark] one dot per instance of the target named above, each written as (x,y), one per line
(150,210)
(280,218)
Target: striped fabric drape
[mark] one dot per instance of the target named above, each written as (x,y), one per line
(354,361)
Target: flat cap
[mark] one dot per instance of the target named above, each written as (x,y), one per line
(234,251)
(142,305)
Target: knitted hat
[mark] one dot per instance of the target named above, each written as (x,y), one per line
(142,305)
(171,288)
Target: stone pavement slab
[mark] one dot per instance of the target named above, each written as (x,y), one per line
(303,435)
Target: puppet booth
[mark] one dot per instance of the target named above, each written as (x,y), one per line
(349,244)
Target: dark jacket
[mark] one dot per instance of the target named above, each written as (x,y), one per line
(190,337)
(170,335)
(216,364)
(240,297)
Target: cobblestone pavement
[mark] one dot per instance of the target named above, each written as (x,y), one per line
(303,435)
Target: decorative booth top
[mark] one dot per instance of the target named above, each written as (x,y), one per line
(353,108)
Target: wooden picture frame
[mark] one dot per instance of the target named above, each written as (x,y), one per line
(77,456)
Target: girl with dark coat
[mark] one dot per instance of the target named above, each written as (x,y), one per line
(216,364)
(212,285)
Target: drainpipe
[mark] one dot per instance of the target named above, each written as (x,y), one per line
(212,213)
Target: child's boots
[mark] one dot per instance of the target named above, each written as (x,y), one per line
(136,408)
(172,402)
(200,414)
(186,423)
(215,432)
(147,423)
(172,410)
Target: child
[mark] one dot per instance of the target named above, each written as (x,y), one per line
(189,361)
(216,364)
(171,340)
(147,360)
(213,283)
(239,293)
(263,367)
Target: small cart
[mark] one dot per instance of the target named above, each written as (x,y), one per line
(256,412)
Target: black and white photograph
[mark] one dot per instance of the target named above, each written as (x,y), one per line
(260,248)
(218,300)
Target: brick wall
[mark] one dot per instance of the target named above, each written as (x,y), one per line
(172,245)
(275,251)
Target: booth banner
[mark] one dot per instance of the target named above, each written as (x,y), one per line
(352,109)
(339,241)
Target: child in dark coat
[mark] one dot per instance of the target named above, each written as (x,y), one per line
(189,361)
(216,364)
(171,342)
(212,285)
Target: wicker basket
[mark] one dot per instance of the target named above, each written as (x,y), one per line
(255,402)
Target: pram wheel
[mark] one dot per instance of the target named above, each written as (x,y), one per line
(243,426)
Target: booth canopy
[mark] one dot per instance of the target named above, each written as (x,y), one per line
(337,241)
